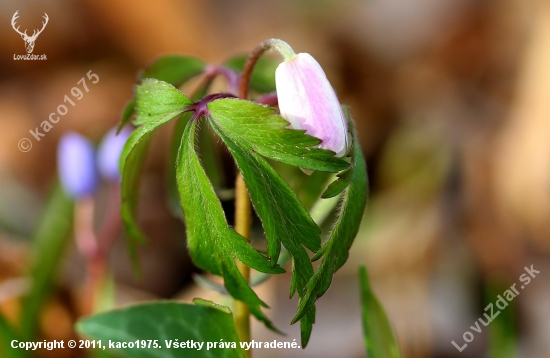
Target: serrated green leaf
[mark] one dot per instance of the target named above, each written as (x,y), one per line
(308,187)
(212,244)
(156,99)
(343,178)
(214,305)
(378,334)
(165,322)
(284,218)
(259,277)
(174,69)
(256,128)
(50,239)
(262,79)
(156,102)
(319,213)
(256,279)
(209,158)
(338,186)
(336,249)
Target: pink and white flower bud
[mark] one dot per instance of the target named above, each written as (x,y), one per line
(307,101)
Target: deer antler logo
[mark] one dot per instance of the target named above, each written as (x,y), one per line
(29,40)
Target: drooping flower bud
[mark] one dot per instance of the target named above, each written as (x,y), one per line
(308,101)
(108,155)
(76,165)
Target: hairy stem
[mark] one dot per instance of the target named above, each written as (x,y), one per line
(272,44)
(243,219)
(243,207)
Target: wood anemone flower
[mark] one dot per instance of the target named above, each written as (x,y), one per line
(308,101)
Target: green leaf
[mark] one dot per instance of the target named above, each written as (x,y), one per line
(256,279)
(257,128)
(319,213)
(210,159)
(164,323)
(51,238)
(127,114)
(214,305)
(262,79)
(209,156)
(338,186)
(212,244)
(284,218)
(174,69)
(308,187)
(132,160)
(379,339)
(173,152)
(7,335)
(502,332)
(156,102)
(336,249)
(156,99)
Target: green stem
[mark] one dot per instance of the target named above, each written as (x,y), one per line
(243,220)
(243,207)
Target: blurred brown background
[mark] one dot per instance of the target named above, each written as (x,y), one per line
(452,102)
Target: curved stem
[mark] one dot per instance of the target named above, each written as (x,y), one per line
(270,99)
(230,76)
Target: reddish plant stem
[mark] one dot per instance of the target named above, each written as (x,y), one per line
(95,248)
(271,44)
(270,99)
(112,223)
(86,242)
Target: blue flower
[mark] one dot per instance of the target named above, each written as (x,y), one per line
(76,165)
(108,154)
